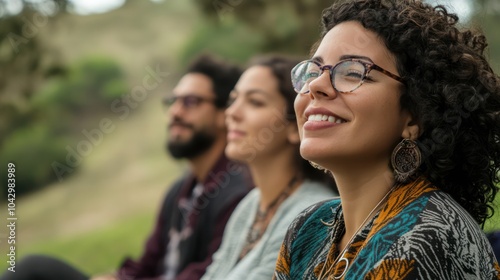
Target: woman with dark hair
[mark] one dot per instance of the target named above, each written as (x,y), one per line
(262,133)
(404,110)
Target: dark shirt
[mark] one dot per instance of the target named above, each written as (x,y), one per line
(494,238)
(202,217)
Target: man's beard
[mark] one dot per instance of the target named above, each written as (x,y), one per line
(199,143)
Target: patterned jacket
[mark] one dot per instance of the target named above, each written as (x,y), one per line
(421,233)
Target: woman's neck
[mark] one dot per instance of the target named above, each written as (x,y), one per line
(272,176)
(360,192)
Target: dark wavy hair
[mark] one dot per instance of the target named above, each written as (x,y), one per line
(281,66)
(223,75)
(450,89)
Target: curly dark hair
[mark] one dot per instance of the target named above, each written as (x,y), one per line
(223,75)
(450,89)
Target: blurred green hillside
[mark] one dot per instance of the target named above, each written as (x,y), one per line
(103,209)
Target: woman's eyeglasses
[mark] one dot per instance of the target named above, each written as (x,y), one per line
(345,76)
(187,101)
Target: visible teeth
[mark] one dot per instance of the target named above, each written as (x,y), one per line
(320,117)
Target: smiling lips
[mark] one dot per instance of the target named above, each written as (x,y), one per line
(234,134)
(322,118)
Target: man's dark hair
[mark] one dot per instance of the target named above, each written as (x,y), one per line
(223,75)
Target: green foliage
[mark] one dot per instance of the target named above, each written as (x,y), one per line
(286,26)
(32,149)
(489,24)
(92,82)
(58,113)
(231,41)
(10,118)
(493,223)
(101,78)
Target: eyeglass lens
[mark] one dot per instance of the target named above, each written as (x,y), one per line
(345,76)
(188,101)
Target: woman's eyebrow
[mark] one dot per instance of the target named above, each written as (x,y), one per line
(248,92)
(317,59)
(349,56)
(320,60)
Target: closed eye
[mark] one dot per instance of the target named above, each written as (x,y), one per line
(353,74)
(311,75)
(255,102)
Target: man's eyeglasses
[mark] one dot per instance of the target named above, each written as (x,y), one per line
(345,76)
(187,101)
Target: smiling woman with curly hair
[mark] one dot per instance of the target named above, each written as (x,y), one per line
(402,107)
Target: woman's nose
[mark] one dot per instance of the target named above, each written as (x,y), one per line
(322,86)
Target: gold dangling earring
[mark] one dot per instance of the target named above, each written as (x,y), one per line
(406,159)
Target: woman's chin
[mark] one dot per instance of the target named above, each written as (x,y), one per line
(312,152)
(236,153)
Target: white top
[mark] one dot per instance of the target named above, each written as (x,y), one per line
(260,262)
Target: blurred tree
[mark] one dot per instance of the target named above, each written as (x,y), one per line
(235,42)
(9,7)
(488,6)
(486,16)
(60,111)
(22,65)
(287,26)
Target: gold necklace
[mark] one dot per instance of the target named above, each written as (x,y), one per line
(340,258)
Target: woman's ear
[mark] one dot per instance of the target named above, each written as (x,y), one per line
(293,133)
(411,128)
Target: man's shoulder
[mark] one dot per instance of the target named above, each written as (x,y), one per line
(230,178)
(177,185)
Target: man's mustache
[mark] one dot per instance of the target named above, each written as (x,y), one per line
(180,123)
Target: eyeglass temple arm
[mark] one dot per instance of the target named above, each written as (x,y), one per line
(382,70)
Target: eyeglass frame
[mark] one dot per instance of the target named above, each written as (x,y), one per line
(369,66)
(170,100)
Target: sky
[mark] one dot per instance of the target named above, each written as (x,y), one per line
(84,7)
(96,6)
(463,8)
